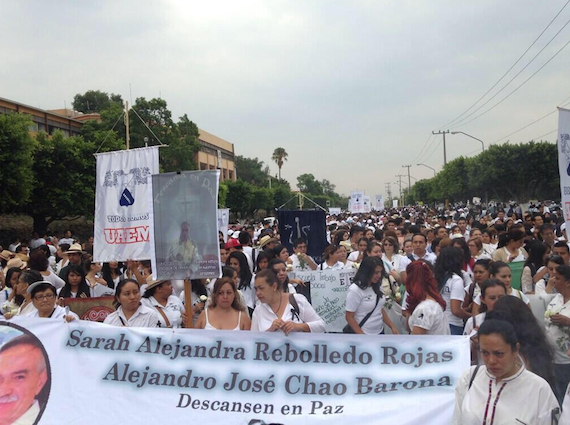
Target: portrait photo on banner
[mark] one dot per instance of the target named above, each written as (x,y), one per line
(25,376)
(185,225)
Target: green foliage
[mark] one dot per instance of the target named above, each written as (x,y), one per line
(240,196)
(16,156)
(309,185)
(279,156)
(251,170)
(223,194)
(503,172)
(95,101)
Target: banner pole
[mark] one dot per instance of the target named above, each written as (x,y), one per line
(128,138)
(188,303)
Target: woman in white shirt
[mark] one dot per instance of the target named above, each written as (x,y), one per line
(39,262)
(44,296)
(238,261)
(280,311)
(498,393)
(332,256)
(397,262)
(158,295)
(75,284)
(501,271)
(225,311)
(112,273)
(365,300)
(130,312)
(451,286)
(424,302)
(358,256)
(546,285)
(8,292)
(22,304)
(95,280)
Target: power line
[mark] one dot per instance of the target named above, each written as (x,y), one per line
(518,87)
(546,134)
(421,158)
(534,122)
(462,121)
(509,70)
(424,146)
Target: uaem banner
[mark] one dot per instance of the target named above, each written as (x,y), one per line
(122,223)
(91,373)
(184,213)
(564,160)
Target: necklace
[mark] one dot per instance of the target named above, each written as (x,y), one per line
(278,308)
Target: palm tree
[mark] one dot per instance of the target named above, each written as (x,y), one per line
(279,155)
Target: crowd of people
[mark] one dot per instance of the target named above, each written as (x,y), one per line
(450,271)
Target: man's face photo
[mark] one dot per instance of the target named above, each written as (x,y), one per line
(22,376)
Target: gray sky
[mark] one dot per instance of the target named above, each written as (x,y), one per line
(350,89)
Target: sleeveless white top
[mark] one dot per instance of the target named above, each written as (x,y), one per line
(211,328)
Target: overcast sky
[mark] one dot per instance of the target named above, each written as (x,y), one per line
(350,89)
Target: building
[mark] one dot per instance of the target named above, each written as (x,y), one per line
(42,120)
(216,153)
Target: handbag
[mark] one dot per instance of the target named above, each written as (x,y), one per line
(348,329)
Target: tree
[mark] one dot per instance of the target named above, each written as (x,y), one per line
(308,184)
(183,145)
(251,171)
(16,156)
(279,155)
(64,179)
(240,197)
(95,101)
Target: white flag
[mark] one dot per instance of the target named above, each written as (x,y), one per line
(564,160)
(122,221)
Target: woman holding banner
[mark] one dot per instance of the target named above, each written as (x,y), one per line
(130,312)
(280,311)
(225,311)
(498,393)
(425,304)
(365,300)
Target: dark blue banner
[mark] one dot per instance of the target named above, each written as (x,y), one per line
(310,225)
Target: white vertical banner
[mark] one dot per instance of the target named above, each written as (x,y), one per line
(122,221)
(394,203)
(223,222)
(379,205)
(564,160)
(357,201)
(366,206)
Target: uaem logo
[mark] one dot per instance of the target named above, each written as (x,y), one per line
(126,182)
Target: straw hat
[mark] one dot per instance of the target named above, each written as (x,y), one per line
(15,262)
(151,283)
(74,249)
(266,240)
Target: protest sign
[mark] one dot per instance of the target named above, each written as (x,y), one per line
(356,202)
(310,225)
(334,211)
(122,221)
(223,222)
(328,294)
(379,205)
(136,375)
(564,160)
(366,206)
(184,213)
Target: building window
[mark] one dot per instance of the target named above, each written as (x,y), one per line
(33,127)
(203,166)
(230,174)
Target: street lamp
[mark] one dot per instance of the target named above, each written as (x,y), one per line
(433,169)
(468,135)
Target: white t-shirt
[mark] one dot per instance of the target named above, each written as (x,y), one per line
(336,266)
(173,310)
(58,313)
(558,336)
(54,279)
(297,264)
(263,316)
(399,262)
(69,241)
(453,290)
(430,316)
(361,302)
(430,257)
(144,317)
(469,326)
(353,256)
(101,291)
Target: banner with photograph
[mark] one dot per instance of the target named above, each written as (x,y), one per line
(356,202)
(564,160)
(90,373)
(122,221)
(366,205)
(224,222)
(185,233)
(310,225)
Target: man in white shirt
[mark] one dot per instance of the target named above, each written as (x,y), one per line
(300,260)
(419,244)
(462,223)
(21,357)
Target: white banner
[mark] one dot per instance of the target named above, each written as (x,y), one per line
(90,373)
(334,211)
(394,203)
(379,206)
(564,160)
(122,222)
(357,202)
(367,207)
(224,222)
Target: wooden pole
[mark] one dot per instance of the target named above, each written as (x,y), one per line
(127,125)
(188,303)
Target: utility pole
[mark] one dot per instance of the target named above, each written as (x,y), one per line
(388,192)
(409,180)
(400,184)
(444,151)
(128,138)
